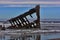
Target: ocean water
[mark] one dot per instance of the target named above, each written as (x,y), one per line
(42,36)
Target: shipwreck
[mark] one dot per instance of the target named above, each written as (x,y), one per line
(21,21)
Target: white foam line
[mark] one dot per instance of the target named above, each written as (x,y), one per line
(30,31)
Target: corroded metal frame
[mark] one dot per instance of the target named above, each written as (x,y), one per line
(18,22)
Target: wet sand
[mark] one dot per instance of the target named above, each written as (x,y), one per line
(55,39)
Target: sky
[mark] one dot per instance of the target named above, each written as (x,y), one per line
(12,8)
(50,12)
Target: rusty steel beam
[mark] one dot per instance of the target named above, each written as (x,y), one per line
(38,15)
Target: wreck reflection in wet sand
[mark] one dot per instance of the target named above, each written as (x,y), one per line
(44,36)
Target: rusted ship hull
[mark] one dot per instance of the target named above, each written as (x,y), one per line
(21,21)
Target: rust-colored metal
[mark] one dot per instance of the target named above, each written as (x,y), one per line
(18,22)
